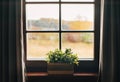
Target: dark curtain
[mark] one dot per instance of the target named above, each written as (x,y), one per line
(10,53)
(110,42)
(0,39)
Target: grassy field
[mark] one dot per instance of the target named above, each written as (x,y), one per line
(38,44)
(38,49)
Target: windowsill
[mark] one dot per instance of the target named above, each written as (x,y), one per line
(30,74)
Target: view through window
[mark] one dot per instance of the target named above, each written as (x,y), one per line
(61,24)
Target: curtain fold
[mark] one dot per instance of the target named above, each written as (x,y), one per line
(110,59)
(11,60)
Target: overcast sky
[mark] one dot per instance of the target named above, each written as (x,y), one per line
(69,12)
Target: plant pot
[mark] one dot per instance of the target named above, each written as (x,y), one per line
(60,69)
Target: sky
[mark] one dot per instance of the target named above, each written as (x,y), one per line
(68,11)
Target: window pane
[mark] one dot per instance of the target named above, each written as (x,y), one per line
(77,17)
(38,44)
(41,0)
(80,43)
(78,0)
(40,17)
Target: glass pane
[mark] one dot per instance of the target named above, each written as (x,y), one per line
(77,17)
(41,0)
(40,17)
(80,43)
(38,44)
(78,0)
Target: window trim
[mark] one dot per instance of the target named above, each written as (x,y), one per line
(85,65)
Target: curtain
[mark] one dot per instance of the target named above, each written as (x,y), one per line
(0,41)
(110,41)
(10,45)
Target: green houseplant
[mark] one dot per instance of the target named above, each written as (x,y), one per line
(60,62)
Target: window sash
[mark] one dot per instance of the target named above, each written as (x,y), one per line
(92,66)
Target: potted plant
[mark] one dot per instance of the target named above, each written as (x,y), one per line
(60,62)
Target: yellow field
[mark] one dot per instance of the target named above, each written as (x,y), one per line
(38,49)
(39,44)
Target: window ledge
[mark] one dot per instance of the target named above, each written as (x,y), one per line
(46,74)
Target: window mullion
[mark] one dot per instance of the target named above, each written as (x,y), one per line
(60,24)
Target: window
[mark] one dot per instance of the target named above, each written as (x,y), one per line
(51,24)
